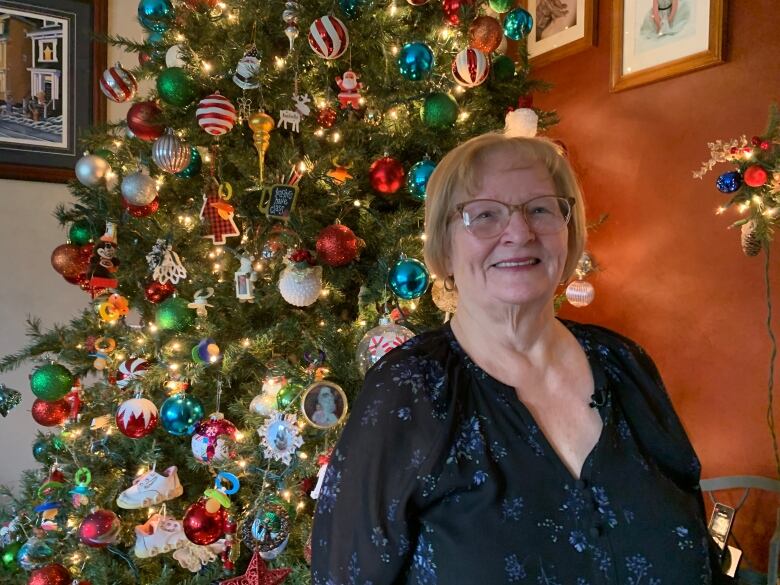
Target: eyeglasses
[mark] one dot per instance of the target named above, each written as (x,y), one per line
(487,218)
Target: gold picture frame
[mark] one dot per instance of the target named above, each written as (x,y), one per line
(561,28)
(671,38)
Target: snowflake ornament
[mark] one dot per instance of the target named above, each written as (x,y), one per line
(280,437)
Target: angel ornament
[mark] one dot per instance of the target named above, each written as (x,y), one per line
(165,264)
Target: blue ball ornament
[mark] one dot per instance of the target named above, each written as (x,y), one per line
(417,178)
(194,167)
(34,553)
(409,278)
(352,8)
(729,182)
(156,15)
(415,61)
(518,23)
(180,414)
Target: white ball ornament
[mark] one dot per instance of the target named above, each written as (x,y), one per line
(470,67)
(91,170)
(301,287)
(174,57)
(521,122)
(139,189)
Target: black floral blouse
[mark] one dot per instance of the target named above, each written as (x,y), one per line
(442,477)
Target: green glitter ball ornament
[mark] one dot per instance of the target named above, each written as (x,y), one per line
(81,232)
(194,166)
(51,382)
(8,557)
(175,87)
(174,315)
(503,68)
(286,395)
(501,6)
(439,110)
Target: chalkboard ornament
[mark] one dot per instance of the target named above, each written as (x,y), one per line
(278,201)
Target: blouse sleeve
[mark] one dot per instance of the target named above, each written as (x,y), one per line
(364,524)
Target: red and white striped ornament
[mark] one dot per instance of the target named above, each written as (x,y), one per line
(136,417)
(470,67)
(328,37)
(118,84)
(131,370)
(216,114)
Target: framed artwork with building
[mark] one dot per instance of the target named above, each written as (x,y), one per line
(50,64)
(658,39)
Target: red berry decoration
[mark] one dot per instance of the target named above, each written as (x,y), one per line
(201,526)
(157,293)
(755,176)
(765,145)
(337,245)
(50,414)
(141,210)
(326,117)
(100,528)
(142,121)
(136,417)
(451,9)
(386,175)
(53,574)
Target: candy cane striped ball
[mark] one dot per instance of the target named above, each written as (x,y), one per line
(216,115)
(328,37)
(131,370)
(118,84)
(470,67)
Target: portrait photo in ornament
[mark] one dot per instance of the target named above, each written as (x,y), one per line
(324,404)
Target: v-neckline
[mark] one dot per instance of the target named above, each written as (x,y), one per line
(599,389)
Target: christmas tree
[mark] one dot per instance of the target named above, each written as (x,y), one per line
(249,243)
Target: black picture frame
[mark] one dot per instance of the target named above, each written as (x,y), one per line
(56,43)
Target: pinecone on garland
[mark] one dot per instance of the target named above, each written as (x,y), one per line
(751,243)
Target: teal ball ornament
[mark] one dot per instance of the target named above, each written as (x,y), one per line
(175,87)
(517,24)
(417,178)
(51,382)
(33,554)
(352,8)
(439,110)
(173,314)
(415,61)
(194,166)
(180,414)
(156,15)
(409,278)
(503,68)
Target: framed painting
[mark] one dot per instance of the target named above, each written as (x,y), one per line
(561,28)
(658,39)
(50,64)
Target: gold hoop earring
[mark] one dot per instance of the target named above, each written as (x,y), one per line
(449,283)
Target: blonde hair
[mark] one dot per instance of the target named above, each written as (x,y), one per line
(460,171)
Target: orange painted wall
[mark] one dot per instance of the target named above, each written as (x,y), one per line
(674,278)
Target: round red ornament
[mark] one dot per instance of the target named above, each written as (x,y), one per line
(765,145)
(755,176)
(326,117)
(136,417)
(50,414)
(141,210)
(100,528)
(53,574)
(386,175)
(485,34)
(451,9)
(337,245)
(201,526)
(66,259)
(156,292)
(142,121)
(144,58)
(209,442)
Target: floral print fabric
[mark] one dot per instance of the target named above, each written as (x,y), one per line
(442,477)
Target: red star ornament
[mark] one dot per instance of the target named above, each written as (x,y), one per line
(257,573)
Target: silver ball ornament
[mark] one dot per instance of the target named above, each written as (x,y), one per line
(171,153)
(91,170)
(139,189)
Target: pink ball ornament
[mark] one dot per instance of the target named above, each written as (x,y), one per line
(136,417)
(470,67)
(100,529)
(328,37)
(210,441)
(216,114)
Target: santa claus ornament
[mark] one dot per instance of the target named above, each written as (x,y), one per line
(137,417)
(349,96)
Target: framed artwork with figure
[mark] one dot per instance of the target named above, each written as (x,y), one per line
(561,28)
(659,39)
(50,64)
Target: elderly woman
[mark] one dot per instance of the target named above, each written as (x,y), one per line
(509,446)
